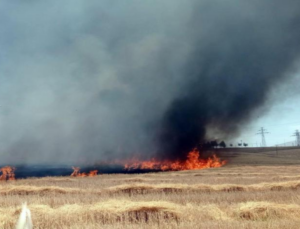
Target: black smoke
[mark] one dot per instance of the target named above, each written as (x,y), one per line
(238,57)
(88,81)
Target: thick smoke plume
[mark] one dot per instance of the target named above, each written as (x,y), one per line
(243,50)
(85,81)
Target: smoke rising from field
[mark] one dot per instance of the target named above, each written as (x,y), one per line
(86,81)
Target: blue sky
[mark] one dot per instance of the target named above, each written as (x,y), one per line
(281,119)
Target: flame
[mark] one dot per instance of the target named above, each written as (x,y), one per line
(192,162)
(8,173)
(93,173)
(77,173)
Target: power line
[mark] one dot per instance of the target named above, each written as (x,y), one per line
(262,132)
(283,124)
(297,135)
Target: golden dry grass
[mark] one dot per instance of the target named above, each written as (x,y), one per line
(236,196)
(107,212)
(144,188)
(267,211)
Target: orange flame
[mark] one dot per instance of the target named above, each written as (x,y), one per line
(8,173)
(192,162)
(77,173)
(93,173)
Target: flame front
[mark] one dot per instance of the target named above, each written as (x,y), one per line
(8,173)
(77,173)
(192,162)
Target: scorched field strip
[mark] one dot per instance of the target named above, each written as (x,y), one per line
(234,196)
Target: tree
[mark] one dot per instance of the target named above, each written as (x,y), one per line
(214,144)
(222,144)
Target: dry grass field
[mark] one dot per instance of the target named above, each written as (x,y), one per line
(254,190)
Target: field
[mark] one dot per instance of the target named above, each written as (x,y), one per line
(254,190)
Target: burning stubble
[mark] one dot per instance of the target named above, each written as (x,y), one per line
(8,173)
(166,200)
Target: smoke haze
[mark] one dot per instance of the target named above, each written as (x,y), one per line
(85,81)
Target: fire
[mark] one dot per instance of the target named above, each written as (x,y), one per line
(192,162)
(77,173)
(8,173)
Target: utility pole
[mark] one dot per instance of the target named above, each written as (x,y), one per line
(262,132)
(297,135)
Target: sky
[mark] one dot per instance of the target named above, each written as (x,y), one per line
(280,117)
(98,80)
(281,121)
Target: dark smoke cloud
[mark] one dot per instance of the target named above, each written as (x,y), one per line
(85,81)
(243,50)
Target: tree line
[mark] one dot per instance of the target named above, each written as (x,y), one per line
(216,144)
